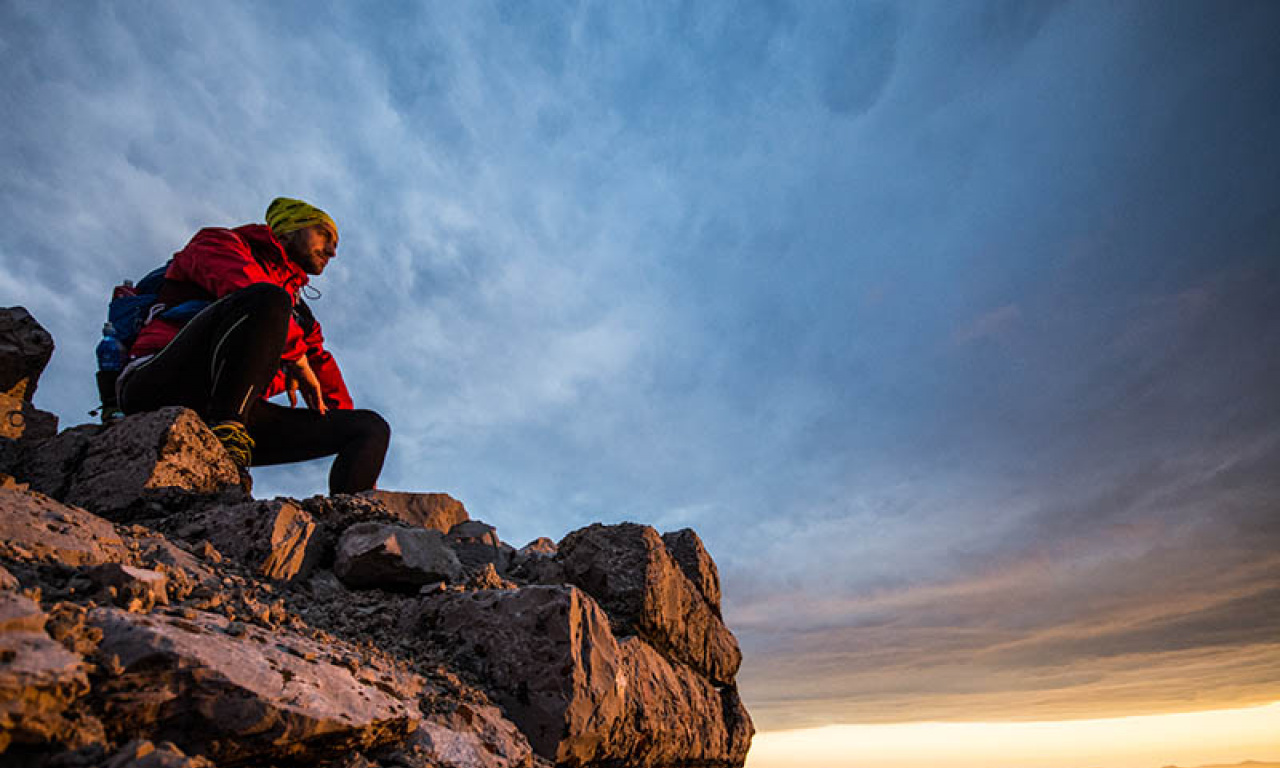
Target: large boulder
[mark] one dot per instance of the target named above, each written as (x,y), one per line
(644,591)
(35,528)
(437,511)
(39,679)
(582,697)
(50,466)
(241,694)
(276,539)
(692,557)
(151,463)
(394,557)
(25,349)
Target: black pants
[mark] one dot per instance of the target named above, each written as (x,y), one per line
(220,363)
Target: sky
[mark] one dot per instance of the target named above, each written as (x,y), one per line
(952,328)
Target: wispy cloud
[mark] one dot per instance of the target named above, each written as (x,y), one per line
(951,328)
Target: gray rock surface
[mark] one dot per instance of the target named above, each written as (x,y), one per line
(241,694)
(437,511)
(50,466)
(549,658)
(276,539)
(153,462)
(628,569)
(394,557)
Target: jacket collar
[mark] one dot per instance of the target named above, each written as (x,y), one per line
(262,241)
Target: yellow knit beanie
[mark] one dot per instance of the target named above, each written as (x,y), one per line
(288,215)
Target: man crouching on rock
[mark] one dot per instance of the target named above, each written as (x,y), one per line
(250,337)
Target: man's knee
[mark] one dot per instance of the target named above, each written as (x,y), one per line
(372,426)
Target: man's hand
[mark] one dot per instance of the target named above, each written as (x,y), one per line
(298,376)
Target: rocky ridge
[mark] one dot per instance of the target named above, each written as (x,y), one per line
(153,613)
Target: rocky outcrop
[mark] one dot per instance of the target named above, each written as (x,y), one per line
(152,614)
(642,588)
(277,539)
(396,557)
(581,695)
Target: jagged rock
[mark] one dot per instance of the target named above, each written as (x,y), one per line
(50,466)
(628,569)
(548,657)
(249,696)
(276,539)
(394,557)
(676,717)
(437,511)
(692,557)
(581,697)
(141,753)
(35,528)
(39,679)
(476,544)
(25,349)
(137,589)
(473,736)
(152,462)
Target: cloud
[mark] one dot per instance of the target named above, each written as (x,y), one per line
(741,267)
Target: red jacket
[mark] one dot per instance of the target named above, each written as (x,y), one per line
(220,261)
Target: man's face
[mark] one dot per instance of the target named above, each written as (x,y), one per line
(311,247)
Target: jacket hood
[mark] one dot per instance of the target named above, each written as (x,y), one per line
(262,241)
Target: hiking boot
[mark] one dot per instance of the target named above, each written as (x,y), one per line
(235,439)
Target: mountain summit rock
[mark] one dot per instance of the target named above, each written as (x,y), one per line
(152,613)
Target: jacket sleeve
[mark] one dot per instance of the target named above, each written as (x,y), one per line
(326,369)
(220,262)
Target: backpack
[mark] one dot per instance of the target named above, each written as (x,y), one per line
(131,305)
(130,308)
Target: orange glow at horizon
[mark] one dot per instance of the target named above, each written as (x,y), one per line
(1151,741)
